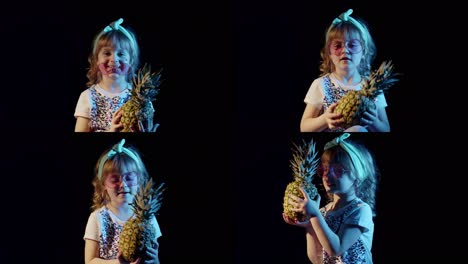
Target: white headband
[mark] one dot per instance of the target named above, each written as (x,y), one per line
(116,26)
(117,148)
(352,151)
(346,16)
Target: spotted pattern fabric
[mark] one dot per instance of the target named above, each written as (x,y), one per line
(332,94)
(109,238)
(356,254)
(102,108)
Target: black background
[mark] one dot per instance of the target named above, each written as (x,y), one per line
(237,73)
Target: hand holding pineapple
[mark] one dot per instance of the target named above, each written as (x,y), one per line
(354,104)
(332,119)
(150,256)
(305,206)
(304,165)
(139,110)
(138,234)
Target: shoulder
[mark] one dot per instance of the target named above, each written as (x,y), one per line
(90,88)
(319,81)
(360,213)
(86,94)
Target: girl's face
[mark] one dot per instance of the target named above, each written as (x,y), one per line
(346,52)
(122,186)
(335,177)
(113,61)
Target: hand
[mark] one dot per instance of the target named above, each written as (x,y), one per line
(369,117)
(305,206)
(290,221)
(122,260)
(151,255)
(333,120)
(150,127)
(115,122)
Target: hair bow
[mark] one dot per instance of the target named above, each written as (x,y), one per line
(116,149)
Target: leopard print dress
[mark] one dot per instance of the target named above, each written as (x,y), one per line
(103,107)
(358,253)
(332,94)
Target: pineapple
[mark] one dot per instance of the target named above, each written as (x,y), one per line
(138,233)
(354,103)
(140,107)
(304,165)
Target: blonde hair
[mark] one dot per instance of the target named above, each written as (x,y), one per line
(345,26)
(362,166)
(115,36)
(116,163)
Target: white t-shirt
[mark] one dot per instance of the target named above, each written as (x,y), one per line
(104,227)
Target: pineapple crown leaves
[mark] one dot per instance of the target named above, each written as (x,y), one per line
(304,162)
(148,200)
(380,79)
(146,84)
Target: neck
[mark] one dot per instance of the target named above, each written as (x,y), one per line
(340,201)
(347,77)
(112,85)
(122,211)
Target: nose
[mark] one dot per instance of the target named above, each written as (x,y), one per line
(345,49)
(122,183)
(113,59)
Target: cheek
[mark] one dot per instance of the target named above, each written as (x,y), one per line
(357,58)
(102,68)
(124,67)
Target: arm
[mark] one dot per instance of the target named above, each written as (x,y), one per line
(82,124)
(313,122)
(82,113)
(92,254)
(314,248)
(331,242)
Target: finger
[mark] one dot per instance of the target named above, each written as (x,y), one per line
(293,203)
(155,127)
(306,196)
(367,115)
(293,197)
(141,127)
(337,122)
(149,124)
(117,114)
(318,198)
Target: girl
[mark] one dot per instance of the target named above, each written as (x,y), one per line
(119,173)
(342,230)
(113,64)
(346,60)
